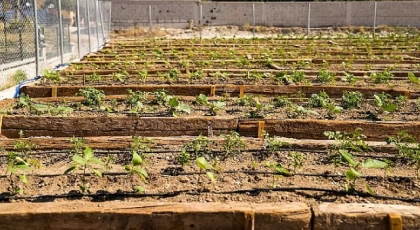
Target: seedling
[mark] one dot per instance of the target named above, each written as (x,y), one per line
(200,146)
(298,160)
(384,103)
(85,162)
(321,100)
(175,107)
(407,147)
(93,97)
(350,78)
(136,100)
(52,76)
(204,166)
(325,77)
(353,173)
(135,168)
(282,101)
(232,144)
(213,107)
(142,75)
(383,77)
(278,170)
(273,144)
(413,79)
(352,99)
(184,158)
(172,75)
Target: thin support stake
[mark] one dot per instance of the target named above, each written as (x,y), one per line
(79,51)
(102,22)
(97,24)
(253,20)
(60,32)
(374,19)
(309,18)
(200,21)
(150,21)
(88,24)
(36,37)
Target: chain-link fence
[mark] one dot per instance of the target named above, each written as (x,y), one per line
(66,30)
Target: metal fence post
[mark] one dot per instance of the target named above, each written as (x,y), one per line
(60,28)
(97,24)
(78,28)
(34,3)
(150,21)
(201,21)
(110,19)
(253,20)
(88,24)
(102,22)
(309,19)
(374,19)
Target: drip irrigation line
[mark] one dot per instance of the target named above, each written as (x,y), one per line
(174,173)
(119,195)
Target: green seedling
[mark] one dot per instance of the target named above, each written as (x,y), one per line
(199,147)
(172,75)
(325,77)
(353,173)
(184,158)
(53,76)
(232,144)
(384,103)
(213,107)
(282,101)
(135,168)
(407,147)
(136,100)
(352,99)
(85,162)
(383,77)
(278,171)
(273,144)
(175,107)
(297,161)
(92,96)
(321,100)
(204,166)
(350,78)
(142,75)
(413,79)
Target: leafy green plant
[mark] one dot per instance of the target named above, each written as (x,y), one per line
(85,162)
(172,75)
(413,79)
(407,147)
(142,75)
(232,144)
(78,144)
(278,170)
(297,160)
(350,78)
(135,168)
(200,146)
(353,173)
(136,100)
(282,101)
(121,76)
(383,77)
(325,76)
(351,99)
(94,77)
(204,166)
(273,144)
(384,103)
(93,97)
(176,107)
(321,100)
(53,76)
(213,107)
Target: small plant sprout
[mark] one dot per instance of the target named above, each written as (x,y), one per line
(321,100)
(136,100)
(297,160)
(213,107)
(135,168)
(200,146)
(175,107)
(384,103)
(353,173)
(93,97)
(232,144)
(204,166)
(407,147)
(184,158)
(351,99)
(278,171)
(282,101)
(53,76)
(140,145)
(78,144)
(383,77)
(172,75)
(325,77)
(350,78)
(85,162)
(16,166)
(142,75)
(274,144)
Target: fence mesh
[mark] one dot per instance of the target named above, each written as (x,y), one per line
(57,42)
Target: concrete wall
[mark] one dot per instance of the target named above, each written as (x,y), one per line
(127,13)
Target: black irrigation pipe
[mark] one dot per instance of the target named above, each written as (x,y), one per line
(250,172)
(215,152)
(121,195)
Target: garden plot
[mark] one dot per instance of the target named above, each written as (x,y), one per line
(204,120)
